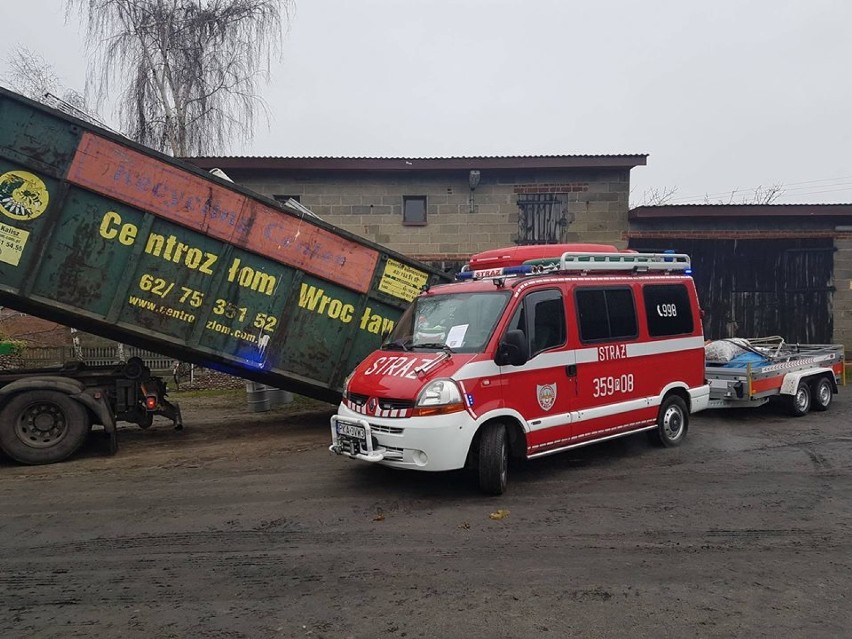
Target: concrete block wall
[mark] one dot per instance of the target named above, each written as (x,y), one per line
(458,221)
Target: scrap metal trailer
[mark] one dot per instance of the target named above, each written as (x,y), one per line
(113,238)
(753,371)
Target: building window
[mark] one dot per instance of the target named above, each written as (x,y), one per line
(542,218)
(414,210)
(284,198)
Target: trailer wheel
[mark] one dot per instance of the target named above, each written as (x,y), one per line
(493,459)
(800,402)
(672,422)
(42,426)
(823,394)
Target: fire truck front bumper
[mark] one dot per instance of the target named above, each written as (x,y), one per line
(430,444)
(353,437)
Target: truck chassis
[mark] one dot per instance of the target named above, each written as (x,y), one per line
(47,413)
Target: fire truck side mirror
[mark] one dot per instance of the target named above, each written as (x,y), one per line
(514,349)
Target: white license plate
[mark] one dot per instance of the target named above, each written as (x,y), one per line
(350,430)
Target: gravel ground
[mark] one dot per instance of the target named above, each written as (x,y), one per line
(244,525)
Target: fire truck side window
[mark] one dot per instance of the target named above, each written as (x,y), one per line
(605,314)
(668,310)
(542,318)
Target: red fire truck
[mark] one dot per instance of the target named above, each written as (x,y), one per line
(533,351)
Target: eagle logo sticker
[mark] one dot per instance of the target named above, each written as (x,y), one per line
(546,396)
(23,196)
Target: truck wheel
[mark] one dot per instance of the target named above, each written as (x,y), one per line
(40,427)
(800,403)
(672,422)
(493,459)
(822,394)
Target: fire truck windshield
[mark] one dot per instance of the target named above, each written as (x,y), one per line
(462,322)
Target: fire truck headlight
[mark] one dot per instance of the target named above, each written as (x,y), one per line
(439,397)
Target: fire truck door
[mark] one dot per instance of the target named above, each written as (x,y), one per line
(541,390)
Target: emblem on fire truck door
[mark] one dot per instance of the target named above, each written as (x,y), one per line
(546,396)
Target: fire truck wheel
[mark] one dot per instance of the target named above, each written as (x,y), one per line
(42,426)
(822,394)
(672,422)
(800,403)
(493,459)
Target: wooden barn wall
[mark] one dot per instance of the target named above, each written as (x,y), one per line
(757,288)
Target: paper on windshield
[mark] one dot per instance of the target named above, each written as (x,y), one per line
(456,335)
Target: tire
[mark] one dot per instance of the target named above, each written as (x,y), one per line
(799,404)
(43,426)
(493,459)
(672,422)
(822,394)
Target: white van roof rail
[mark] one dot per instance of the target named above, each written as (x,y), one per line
(624,262)
(577,262)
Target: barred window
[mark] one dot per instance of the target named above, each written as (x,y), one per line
(542,218)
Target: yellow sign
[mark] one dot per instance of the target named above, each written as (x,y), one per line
(23,196)
(402,281)
(12,242)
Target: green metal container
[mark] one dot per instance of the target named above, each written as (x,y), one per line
(110,237)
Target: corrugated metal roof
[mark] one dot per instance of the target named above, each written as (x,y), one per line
(414,157)
(344,163)
(739,210)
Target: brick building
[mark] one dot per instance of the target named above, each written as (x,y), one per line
(441,210)
(761,269)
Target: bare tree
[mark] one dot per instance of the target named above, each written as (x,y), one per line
(658,197)
(31,75)
(767,195)
(188,70)
(758,195)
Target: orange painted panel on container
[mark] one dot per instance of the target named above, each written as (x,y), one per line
(150,184)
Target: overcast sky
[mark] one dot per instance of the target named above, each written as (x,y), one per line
(722,95)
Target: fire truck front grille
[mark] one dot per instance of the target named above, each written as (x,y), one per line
(387,430)
(357,400)
(395,404)
(385,407)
